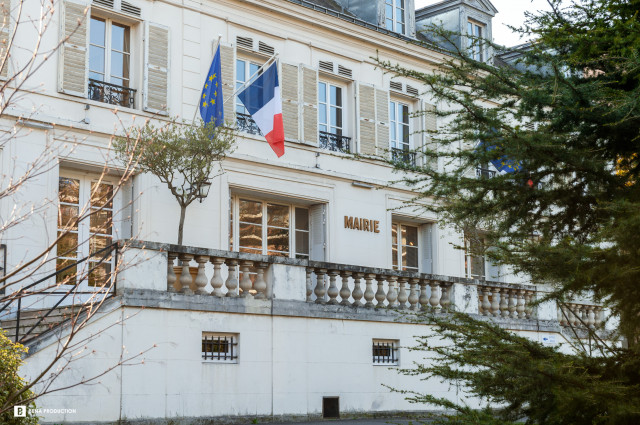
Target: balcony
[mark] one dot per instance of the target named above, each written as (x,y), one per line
(335,142)
(111,93)
(403,157)
(485,173)
(246,124)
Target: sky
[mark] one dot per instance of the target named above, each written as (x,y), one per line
(509,11)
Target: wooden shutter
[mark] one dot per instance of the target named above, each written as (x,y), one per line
(367,112)
(5,34)
(382,120)
(156,72)
(290,103)
(426,248)
(318,232)
(227,65)
(73,71)
(310,105)
(429,125)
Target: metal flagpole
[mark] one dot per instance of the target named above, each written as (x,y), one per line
(198,105)
(250,80)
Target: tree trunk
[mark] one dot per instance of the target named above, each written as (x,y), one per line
(183,210)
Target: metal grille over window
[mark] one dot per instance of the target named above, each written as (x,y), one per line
(220,348)
(385,352)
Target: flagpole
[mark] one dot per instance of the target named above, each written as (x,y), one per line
(250,79)
(198,105)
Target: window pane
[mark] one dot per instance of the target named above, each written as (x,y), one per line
(67,245)
(96,59)
(334,117)
(302,242)
(389,22)
(405,135)
(96,243)
(405,114)
(322,92)
(323,114)
(97,31)
(253,68)
(240,70)
(250,212)
(69,190)
(277,215)
(100,274)
(101,195)
(251,236)
(394,256)
(411,236)
(100,221)
(394,234)
(67,277)
(302,219)
(469,28)
(392,110)
(410,257)
(277,239)
(336,96)
(120,66)
(120,38)
(67,216)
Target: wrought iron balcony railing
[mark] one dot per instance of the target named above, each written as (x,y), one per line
(402,156)
(335,142)
(245,123)
(485,173)
(111,93)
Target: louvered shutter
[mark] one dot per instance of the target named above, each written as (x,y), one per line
(310,105)
(5,34)
(227,65)
(382,120)
(429,125)
(367,113)
(318,232)
(290,103)
(156,75)
(73,71)
(426,248)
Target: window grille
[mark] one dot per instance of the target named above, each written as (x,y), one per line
(220,348)
(385,352)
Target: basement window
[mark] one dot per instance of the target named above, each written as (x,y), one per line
(220,348)
(385,352)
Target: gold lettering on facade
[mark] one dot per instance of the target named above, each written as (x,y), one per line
(362,224)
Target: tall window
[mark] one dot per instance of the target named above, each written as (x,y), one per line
(474,262)
(475,30)
(404,247)
(269,228)
(84,196)
(109,52)
(400,131)
(330,108)
(244,71)
(394,15)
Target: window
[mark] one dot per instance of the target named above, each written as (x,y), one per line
(475,30)
(110,62)
(385,352)
(220,348)
(400,133)
(94,200)
(474,262)
(269,228)
(404,247)
(394,15)
(245,69)
(331,117)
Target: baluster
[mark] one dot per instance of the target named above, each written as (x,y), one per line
(528,308)
(357,290)
(333,289)
(232,278)
(504,302)
(413,293)
(434,300)
(520,306)
(495,302)
(245,280)
(445,299)
(260,285)
(392,293)
(309,284)
(216,279)
(513,303)
(562,312)
(368,291)
(486,305)
(345,292)
(380,295)
(574,310)
(402,293)
(584,316)
(320,291)
(171,275)
(201,277)
(185,274)
(591,317)
(423,299)
(599,317)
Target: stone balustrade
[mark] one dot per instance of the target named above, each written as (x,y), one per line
(581,315)
(505,301)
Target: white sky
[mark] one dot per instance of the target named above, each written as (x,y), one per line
(509,11)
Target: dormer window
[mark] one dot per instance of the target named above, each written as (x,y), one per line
(394,15)
(475,30)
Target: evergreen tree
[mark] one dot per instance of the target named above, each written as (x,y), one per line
(566,117)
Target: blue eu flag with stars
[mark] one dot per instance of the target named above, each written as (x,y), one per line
(211,103)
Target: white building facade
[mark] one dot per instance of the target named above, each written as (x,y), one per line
(287,298)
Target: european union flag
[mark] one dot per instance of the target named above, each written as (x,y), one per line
(211,103)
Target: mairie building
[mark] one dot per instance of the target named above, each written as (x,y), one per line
(292,292)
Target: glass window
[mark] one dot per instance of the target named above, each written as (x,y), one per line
(244,71)
(109,52)
(404,247)
(399,126)
(395,15)
(330,108)
(474,261)
(475,41)
(385,352)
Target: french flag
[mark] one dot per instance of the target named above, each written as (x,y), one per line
(263,101)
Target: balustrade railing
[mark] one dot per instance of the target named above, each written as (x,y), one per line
(514,303)
(403,156)
(485,173)
(580,315)
(246,124)
(111,93)
(335,142)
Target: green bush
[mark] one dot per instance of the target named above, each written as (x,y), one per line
(12,385)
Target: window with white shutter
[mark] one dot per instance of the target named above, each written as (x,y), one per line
(290,102)
(318,232)
(310,105)
(367,119)
(73,53)
(156,71)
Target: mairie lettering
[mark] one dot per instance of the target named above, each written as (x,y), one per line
(362,224)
